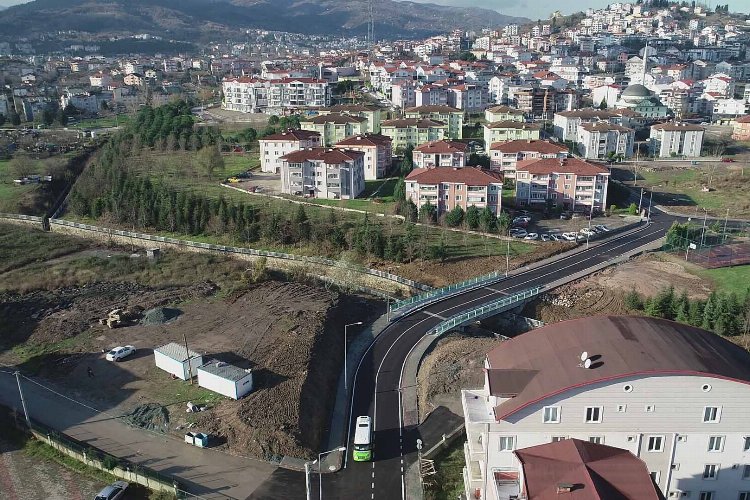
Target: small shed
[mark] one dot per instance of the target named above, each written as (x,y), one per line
(228,380)
(177,360)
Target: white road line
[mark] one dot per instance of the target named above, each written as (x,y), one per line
(373,486)
(428,313)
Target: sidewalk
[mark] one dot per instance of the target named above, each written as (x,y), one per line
(210,474)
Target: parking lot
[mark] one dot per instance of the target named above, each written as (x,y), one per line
(551,229)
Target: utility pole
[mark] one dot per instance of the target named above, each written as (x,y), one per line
(189,360)
(23,401)
(640,201)
(308,490)
(650,199)
(507,257)
(703,231)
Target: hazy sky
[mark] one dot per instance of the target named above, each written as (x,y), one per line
(534,9)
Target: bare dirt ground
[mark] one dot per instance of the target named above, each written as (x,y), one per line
(455,363)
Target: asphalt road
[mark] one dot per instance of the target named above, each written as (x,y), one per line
(378,377)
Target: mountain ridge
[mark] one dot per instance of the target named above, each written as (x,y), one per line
(192,19)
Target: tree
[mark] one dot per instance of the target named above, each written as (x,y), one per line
(428,213)
(2,119)
(503,222)
(455,217)
(487,220)
(407,164)
(15,118)
(472,217)
(633,209)
(477,160)
(209,159)
(399,190)
(603,104)
(21,166)
(633,300)
(709,312)
(273,120)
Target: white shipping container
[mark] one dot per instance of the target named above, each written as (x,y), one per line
(223,378)
(175,359)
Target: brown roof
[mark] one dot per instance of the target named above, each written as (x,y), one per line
(470,176)
(513,124)
(329,156)
(555,166)
(442,147)
(604,127)
(504,109)
(435,108)
(353,107)
(366,140)
(291,135)
(675,127)
(336,118)
(743,119)
(411,122)
(596,471)
(522,145)
(588,114)
(622,346)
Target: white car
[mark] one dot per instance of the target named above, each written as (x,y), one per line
(114,491)
(602,227)
(568,236)
(555,237)
(120,352)
(531,236)
(518,233)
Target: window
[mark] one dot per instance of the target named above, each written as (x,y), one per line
(746,444)
(622,408)
(596,439)
(710,471)
(649,408)
(656,443)
(746,472)
(706,495)
(593,414)
(744,495)
(506,443)
(551,414)
(627,387)
(711,414)
(555,439)
(715,443)
(654,476)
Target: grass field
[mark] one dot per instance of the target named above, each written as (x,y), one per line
(448,482)
(104,122)
(10,194)
(728,279)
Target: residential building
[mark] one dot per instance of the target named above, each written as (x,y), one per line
(323,173)
(640,99)
(447,188)
(335,127)
(510,130)
(273,147)
(564,183)
(370,112)
(134,80)
(413,132)
(566,123)
(452,117)
(404,94)
(728,108)
(741,129)
(502,114)
(673,395)
(676,139)
(254,95)
(377,150)
(445,153)
(504,156)
(536,102)
(602,140)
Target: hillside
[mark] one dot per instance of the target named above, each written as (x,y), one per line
(191,19)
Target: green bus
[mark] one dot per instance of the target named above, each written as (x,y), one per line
(363,440)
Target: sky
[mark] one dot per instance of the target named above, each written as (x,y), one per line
(533,9)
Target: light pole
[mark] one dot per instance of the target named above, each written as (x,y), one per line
(320,468)
(23,401)
(591,215)
(703,231)
(308,490)
(650,199)
(640,202)
(507,256)
(346,378)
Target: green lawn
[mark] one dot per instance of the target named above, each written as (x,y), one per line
(104,122)
(448,482)
(728,279)
(10,194)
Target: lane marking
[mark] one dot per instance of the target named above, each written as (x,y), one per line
(434,315)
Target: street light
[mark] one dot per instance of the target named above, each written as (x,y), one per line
(346,377)
(308,491)
(320,468)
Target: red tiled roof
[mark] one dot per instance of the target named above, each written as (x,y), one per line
(553,165)
(743,119)
(521,145)
(624,346)
(329,156)
(596,471)
(676,127)
(291,135)
(470,176)
(442,147)
(366,140)
(504,109)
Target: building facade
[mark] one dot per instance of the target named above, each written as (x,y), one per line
(602,140)
(567,183)
(447,188)
(413,132)
(369,112)
(327,173)
(273,147)
(504,156)
(452,117)
(676,139)
(255,95)
(510,131)
(741,129)
(378,153)
(502,114)
(444,153)
(335,127)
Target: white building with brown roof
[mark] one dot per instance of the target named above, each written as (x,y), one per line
(447,188)
(413,131)
(451,116)
(445,153)
(335,127)
(599,140)
(503,113)
(273,147)
(567,183)
(504,156)
(323,173)
(676,139)
(378,153)
(510,130)
(673,395)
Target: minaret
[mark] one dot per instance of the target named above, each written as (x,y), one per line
(645,64)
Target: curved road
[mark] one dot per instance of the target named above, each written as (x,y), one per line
(378,376)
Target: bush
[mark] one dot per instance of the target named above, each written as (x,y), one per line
(634,301)
(633,209)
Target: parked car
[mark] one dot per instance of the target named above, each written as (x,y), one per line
(565,216)
(581,236)
(114,491)
(518,233)
(120,352)
(531,236)
(587,231)
(545,237)
(555,237)
(602,227)
(568,236)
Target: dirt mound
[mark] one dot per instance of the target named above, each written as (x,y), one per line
(149,416)
(160,315)
(455,363)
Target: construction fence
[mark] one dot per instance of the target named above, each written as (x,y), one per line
(711,249)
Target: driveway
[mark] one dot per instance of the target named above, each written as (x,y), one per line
(204,472)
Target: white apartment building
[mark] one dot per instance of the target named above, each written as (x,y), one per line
(673,395)
(378,153)
(273,147)
(596,141)
(566,123)
(676,139)
(504,156)
(565,183)
(323,173)
(254,95)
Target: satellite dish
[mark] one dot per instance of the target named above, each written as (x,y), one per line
(587,363)
(584,356)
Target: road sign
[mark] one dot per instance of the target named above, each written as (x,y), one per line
(693,246)
(419,444)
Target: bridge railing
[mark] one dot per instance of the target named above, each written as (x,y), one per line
(406,306)
(484,310)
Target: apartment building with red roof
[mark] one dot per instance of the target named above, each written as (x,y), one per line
(328,173)
(378,153)
(565,183)
(444,153)
(273,147)
(447,188)
(504,156)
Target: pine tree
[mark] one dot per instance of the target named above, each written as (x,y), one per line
(472,217)
(695,313)
(709,312)
(682,308)
(633,300)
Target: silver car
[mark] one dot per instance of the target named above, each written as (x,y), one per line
(114,491)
